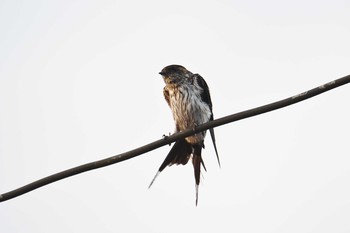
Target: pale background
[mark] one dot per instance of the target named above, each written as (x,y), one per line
(79,82)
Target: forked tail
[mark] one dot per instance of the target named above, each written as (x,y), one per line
(179,154)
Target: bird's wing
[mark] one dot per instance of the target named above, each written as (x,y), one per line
(205,96)
(166,95)
(213,139)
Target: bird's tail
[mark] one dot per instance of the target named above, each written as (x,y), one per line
(179,154)
(197,162)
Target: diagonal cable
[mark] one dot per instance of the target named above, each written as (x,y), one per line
(169,139)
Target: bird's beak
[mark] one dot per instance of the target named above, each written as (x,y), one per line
(162,73)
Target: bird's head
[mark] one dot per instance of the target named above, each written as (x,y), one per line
(175,74)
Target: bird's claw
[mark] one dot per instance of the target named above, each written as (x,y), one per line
(194,127)
(165,137)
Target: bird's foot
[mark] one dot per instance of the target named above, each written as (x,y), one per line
(165,137)
(194,127)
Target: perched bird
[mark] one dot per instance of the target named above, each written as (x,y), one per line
(188,97)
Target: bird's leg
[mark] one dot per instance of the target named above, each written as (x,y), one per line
(165,137)
(194,126)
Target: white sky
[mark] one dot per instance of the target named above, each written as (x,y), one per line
(79,82)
